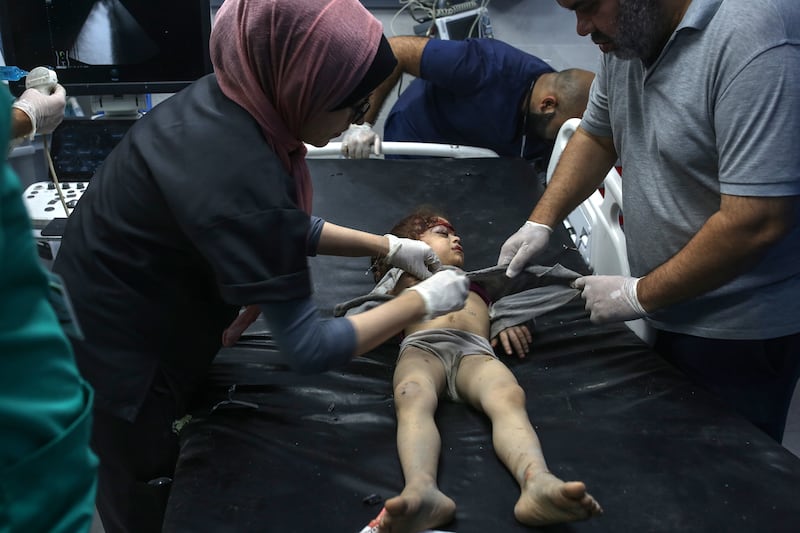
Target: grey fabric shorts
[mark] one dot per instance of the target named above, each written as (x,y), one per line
(450,346)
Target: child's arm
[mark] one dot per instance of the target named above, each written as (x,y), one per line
(515,340)
(523,307)
(405,281)
(313,344)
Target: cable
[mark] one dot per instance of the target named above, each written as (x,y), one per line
(55,177)
(406,5)
(422,11)
(456,9)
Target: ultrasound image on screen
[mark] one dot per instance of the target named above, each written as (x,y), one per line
(112,32)
(109,34)
(151,43)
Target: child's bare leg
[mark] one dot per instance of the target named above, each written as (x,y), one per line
(418,378)
(544,498)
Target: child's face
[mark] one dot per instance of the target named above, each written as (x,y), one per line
(444,241)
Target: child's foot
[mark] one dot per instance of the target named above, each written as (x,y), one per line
(416,510)
(548,500)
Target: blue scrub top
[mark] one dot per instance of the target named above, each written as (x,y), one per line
(470,93)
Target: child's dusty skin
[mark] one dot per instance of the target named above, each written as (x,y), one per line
(545,499)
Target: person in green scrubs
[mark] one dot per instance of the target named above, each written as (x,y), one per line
(47,469)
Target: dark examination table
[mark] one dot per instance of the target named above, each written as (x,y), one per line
(271,451)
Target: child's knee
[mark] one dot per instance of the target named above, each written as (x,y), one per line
(413,391)
(505,395)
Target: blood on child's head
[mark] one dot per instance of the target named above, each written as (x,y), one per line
(412,226)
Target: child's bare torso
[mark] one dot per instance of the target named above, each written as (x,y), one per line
(473,318)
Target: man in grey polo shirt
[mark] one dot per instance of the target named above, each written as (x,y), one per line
(700,101)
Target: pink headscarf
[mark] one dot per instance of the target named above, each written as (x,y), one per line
(284,61)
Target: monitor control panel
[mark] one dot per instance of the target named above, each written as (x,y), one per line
(43,203)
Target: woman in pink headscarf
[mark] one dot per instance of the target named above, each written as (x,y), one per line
(203,207)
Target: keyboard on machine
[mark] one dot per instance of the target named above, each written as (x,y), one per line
(43,203)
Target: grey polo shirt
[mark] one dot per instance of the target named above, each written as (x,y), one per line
(717,112)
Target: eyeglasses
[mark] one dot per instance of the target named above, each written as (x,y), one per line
(359,110)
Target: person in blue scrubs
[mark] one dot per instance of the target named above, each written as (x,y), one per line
(475,92)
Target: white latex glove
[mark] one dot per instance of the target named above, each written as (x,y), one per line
(444,292)
(412,256)
(520,248)
(610,298)
(46,111)
(359,140)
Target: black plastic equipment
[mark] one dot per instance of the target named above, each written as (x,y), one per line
(318,453)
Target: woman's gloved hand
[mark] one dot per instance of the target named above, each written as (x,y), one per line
(444,292)
(46,111)
(359,140)
(524,245)
(412,256)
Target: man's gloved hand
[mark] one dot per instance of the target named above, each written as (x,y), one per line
(359,140)
(46,111)
(610,298)
(444,292)
(412,256)
(520,248)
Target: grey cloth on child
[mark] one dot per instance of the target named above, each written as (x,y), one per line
(535,291)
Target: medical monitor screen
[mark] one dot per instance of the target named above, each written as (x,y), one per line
(461,25)
(109,46)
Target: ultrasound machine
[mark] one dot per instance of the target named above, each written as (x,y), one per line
(118,56)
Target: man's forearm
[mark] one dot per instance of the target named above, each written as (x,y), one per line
(712,258)
(408,51)
(581,169)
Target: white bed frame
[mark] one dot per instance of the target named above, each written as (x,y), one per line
(595,226)
(334,149)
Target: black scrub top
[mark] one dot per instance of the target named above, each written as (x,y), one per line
(191,216)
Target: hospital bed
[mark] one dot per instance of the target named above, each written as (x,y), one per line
(596,225)
(268,450)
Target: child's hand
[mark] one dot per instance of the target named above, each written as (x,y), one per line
(515,340)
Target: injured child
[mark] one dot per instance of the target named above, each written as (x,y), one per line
(452,355)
